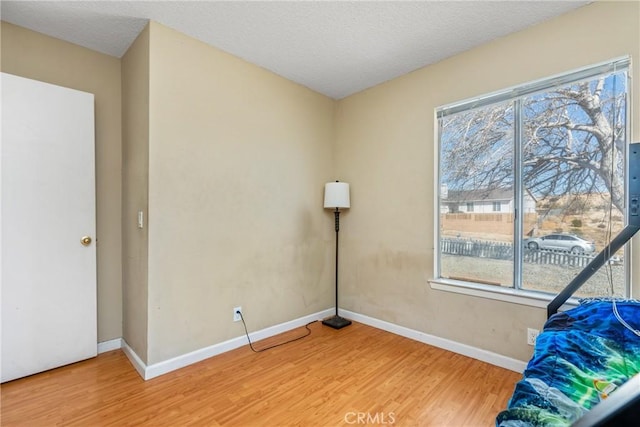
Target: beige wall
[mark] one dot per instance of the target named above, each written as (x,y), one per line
(385,147)
(36,56)
(135,191)
(228,162)
(238,158)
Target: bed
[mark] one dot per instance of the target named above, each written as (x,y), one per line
(581,358)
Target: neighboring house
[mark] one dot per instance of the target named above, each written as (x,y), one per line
(498,200)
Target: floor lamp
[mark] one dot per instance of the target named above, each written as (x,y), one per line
(336,196)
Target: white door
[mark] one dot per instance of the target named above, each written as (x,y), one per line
(48,207)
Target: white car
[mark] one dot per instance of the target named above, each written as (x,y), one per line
(562,242)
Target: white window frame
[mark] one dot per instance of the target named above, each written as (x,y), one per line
(515,294)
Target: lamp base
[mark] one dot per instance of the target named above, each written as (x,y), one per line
(336,322)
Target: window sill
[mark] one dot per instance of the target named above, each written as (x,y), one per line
(515,296)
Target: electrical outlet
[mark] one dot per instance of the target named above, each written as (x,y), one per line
(532,334)
(236,315)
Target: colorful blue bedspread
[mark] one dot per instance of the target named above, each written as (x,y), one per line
(582,356)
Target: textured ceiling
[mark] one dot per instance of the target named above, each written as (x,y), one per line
(334,47)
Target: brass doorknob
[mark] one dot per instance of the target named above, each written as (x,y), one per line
(86,241)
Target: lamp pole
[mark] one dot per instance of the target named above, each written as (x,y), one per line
(337,216)
(336,321)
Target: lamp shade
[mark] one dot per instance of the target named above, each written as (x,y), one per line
(336,195)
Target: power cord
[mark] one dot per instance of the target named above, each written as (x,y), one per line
(621,320)
(608,267)
(275,345)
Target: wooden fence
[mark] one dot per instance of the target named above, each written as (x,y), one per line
(556,257)
(501,250)
(494,223)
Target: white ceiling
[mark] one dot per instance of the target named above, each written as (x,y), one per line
(334,47)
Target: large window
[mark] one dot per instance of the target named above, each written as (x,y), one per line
(553,152)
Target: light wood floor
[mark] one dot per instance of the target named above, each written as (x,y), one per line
(327,379)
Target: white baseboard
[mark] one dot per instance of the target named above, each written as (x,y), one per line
(135,360)
(454,346)
(160,368)
(166,366)
(113,344)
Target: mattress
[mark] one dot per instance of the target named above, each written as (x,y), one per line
(581,357)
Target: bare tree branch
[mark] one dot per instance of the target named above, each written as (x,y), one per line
(574,142)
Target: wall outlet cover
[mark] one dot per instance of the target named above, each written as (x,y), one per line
(532,335)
